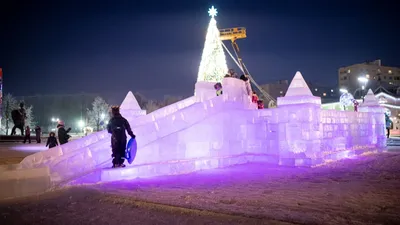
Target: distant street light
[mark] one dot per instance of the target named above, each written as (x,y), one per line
(81,124)
(102,116)
(363,81)
(343,90)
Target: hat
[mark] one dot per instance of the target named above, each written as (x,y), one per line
(115,109)
(61,123)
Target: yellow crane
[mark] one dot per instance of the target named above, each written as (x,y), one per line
(234,34)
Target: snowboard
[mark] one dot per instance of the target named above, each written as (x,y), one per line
(131,148)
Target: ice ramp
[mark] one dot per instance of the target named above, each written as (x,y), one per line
(102,138)
(69,165)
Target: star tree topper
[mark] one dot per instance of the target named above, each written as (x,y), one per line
(212,12)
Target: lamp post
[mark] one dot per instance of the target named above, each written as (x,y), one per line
(81,125)
(54,122)
(363,81)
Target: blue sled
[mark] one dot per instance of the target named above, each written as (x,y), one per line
(131,149)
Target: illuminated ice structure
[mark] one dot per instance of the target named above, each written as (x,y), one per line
(207,132)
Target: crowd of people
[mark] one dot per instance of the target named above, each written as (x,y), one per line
(117,127)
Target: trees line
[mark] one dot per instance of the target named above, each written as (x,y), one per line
(90,108)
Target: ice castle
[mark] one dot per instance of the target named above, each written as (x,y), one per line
(206,132)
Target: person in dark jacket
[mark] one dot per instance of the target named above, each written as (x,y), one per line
(63,135)
(52,140)
(27,134)
(118,126)
(218,88)
(38,132)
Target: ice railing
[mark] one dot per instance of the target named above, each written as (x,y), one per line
(89,157)
(163,112)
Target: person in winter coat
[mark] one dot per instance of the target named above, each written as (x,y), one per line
(27,134)
(254,97)
(63,135)
(38,132)
(218,88)
(260,104)
(118,126)
(52,140)
(388,123)
(247,84)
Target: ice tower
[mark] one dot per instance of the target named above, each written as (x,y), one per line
(130,107)
(300,116)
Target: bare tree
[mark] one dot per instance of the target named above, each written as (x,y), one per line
(99,113)
(10,103)
(169,99)
(152,106)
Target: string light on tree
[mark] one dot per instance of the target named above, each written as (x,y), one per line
(213,62)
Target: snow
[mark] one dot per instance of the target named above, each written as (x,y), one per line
(356,191)
(351,191)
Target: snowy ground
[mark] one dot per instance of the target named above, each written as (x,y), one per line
(356,191)
(12,153)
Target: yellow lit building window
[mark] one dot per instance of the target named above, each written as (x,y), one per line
(324,94)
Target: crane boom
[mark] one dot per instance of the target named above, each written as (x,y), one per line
(233,34)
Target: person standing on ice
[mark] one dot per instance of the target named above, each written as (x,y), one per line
(218,88)
(118,126)
(63,135)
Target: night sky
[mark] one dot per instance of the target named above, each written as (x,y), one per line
(155,47)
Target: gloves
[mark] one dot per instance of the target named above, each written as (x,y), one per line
(133,136)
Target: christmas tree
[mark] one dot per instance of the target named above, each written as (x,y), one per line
(213,66)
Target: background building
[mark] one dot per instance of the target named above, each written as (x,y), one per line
(279,88)
(377,75)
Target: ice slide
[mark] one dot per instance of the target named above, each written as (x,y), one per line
(158,141)
(130,109)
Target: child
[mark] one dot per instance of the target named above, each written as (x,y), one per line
(27,134)
(260,104)
(218,88)
(254,97)
(118,126)
(52,140)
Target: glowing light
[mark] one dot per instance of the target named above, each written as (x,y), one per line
(343,90)
(363,79)
(81,124)
(102,116)
(212,12)
(213,66)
